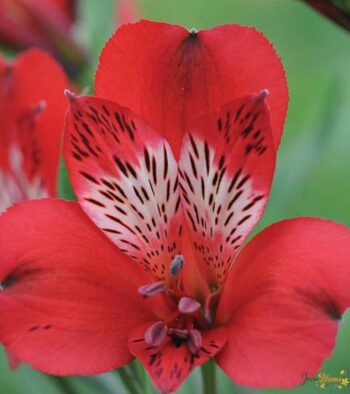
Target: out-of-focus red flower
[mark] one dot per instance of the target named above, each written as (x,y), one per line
(127,11)
(337,11)
(32,108)
(46,24)
(148,263)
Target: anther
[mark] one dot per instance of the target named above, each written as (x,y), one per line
(176,265)
(188,305)
(151,289)
(156,333)
(40,107)
(178,332)
(35,111)
(194,341)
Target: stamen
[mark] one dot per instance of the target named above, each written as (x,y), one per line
(263,93)
(194,341)
(151,289)
(188,305)
(30,116)
(210,305)
(207,314)
(177,264)
(178,332)
(40,107)
(69,94)
(156,333)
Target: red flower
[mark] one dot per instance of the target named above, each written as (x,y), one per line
(147,264)
(45,24)
(32,108)
(127,11)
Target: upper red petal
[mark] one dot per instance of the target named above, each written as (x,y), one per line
(226,166)
(69,296)
(125,177)
(282,300)
(170,76)
(248,63)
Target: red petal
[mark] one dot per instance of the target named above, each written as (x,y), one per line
(226,167)
(31,138)
(69,297)
(170,77)
(170,364)
(283,297)
(125,177)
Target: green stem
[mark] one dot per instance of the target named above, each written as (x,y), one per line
(128,381)
(64,384)
(147,385)
(209,377)
(141,376)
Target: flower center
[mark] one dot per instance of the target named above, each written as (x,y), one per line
(189,316)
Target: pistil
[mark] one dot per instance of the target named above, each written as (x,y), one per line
(178,332)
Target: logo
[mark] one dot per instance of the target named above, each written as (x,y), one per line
(325,380)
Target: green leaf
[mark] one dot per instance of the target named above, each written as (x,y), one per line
(95,24)
(65,189)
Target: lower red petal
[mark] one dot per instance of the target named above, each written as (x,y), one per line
(283,299)
(69,296)
(170,364)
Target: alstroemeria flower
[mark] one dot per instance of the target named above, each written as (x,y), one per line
(46,24)
(147,264)
(32,109)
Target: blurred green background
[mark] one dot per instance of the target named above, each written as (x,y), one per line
(313,171)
